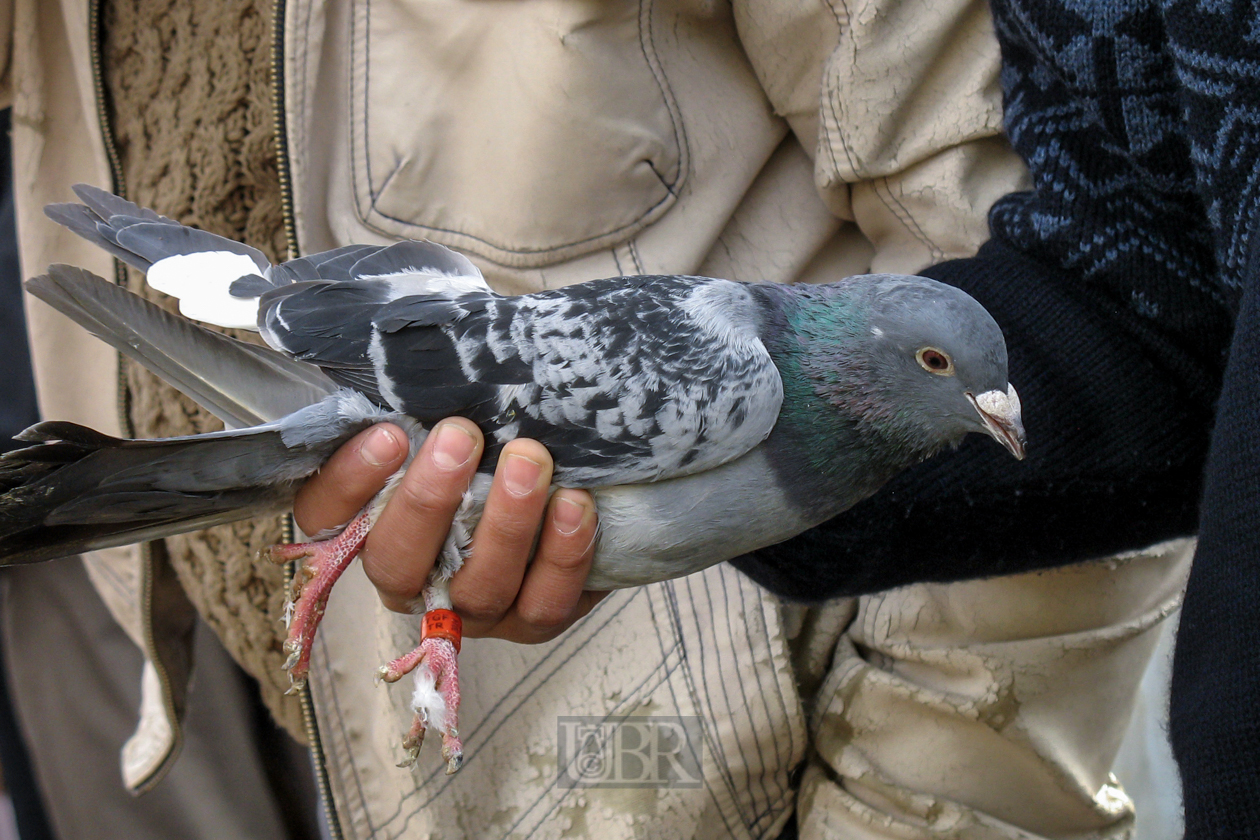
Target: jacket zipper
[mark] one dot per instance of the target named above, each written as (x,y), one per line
(118,187)
(282,129)
(289,530)
(116,184)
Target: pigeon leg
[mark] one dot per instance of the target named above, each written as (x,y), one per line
(436,665)
(324,561)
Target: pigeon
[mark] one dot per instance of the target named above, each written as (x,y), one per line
(707,417)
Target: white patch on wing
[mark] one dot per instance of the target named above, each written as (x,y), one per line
(608,423)
(376,352)
(413,281)
(202,283)
(509,432)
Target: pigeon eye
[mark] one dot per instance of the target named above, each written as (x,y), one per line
(935,361)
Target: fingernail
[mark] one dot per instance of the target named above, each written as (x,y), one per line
(520,475)
(569,516)
(380,448)
(453,446)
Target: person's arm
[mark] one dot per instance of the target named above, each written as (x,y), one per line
(1103,280)
(1118,417)
(1214,721)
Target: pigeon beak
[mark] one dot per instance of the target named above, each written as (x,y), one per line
(1002,420)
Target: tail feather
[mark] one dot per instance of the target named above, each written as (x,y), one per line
(77,490)
(22,467)
(155,241)
(242,384)
(195,266)
(219,281)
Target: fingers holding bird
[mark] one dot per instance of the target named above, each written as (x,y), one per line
(354,474)
(406,539)
(486,587)
(499,592)
(552,595)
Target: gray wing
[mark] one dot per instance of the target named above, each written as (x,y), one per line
(242,384)
(413,266)
(137,236)
(319,309)
(624,380)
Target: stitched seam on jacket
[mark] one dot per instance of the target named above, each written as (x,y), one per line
(647,45)
(335,702)
(903,215)
(762,765)
(670,590)
(718,748)
(780,761)
(833,100)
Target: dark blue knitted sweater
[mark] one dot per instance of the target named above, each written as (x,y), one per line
(1118,281)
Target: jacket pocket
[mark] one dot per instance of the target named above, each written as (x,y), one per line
(525,132)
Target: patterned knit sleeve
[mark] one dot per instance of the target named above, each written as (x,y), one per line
(1116,446)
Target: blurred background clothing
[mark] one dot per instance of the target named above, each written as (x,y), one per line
(17,411)
(17,389)
(77,676)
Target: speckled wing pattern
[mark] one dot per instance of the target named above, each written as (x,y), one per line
(624,380)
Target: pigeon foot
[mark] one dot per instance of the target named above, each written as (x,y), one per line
(323,563)
(436,697)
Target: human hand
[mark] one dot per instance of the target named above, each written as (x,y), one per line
(499,592)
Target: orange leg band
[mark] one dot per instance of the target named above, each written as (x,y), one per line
(442,624)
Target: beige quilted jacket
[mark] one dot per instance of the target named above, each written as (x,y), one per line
(556,141)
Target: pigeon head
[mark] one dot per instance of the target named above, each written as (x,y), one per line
(943,357)
(910,361)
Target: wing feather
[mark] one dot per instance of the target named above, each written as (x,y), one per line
(624,380)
